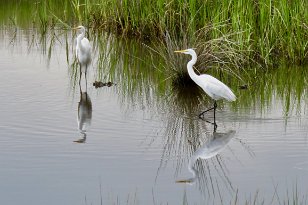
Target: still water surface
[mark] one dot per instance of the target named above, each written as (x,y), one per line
(135,149)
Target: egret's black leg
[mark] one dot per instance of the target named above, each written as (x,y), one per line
(200,115)
(215,106)
(215,126)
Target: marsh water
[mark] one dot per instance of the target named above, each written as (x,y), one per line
(140,141)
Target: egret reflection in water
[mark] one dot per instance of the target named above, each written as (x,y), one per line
(213,146)
(84,116)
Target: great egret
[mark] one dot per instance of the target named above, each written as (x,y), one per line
(209,149)
(83,50)
(213,87)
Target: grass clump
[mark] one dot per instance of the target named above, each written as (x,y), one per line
(221,52)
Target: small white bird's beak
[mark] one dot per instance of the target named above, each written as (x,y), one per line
(180,51)
(75,28)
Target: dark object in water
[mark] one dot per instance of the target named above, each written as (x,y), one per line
(98,84)
(82,140)
(243,87)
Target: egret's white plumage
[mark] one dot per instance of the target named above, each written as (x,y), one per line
(214,88)
(83,49)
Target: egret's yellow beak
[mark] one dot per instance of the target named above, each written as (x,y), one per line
(180,51)
(75,28)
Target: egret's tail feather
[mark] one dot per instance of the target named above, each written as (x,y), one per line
(232,97)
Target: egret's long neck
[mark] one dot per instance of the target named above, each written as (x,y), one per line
(190,64)
(80,37)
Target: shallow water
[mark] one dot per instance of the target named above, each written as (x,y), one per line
(139,141)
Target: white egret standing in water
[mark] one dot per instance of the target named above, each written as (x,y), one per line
(83,51)
(213,87)
(211,148)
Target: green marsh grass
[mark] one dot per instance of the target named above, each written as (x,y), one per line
(222,54)
(264,30)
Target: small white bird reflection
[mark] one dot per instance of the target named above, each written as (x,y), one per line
(211,148)
(84,116)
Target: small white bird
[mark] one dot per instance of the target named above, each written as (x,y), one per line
(213,87)
(83,50)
